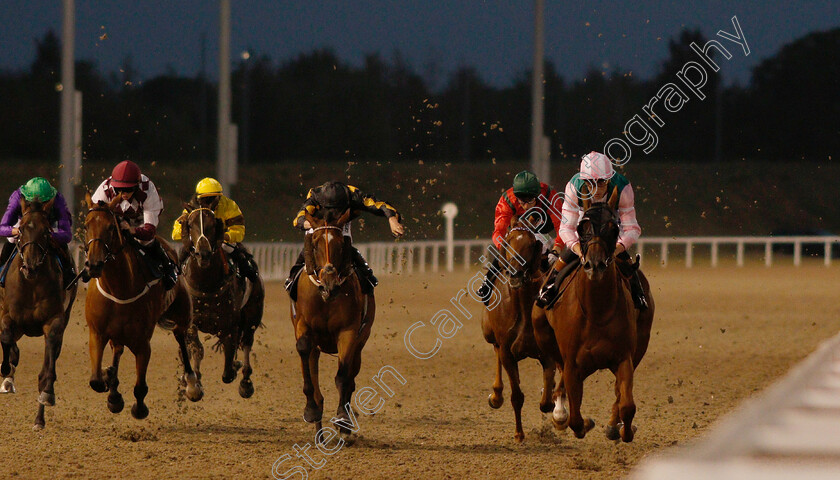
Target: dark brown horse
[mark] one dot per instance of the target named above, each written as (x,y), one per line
(331,315)
(507,325)
(594,324)
(222,304)
(124,302)
(34,302)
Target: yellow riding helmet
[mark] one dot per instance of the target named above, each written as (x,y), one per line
(208,187)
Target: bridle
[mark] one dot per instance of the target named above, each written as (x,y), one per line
(35,242)
(587,229)
(193,250)
(509,268)
(317,268)
(109,253)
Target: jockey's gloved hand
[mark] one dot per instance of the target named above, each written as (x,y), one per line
(553,254)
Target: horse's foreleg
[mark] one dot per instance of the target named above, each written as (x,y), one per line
(517,398)
(53,338)
(142,355)
(115,399)
(345,378)
(560,415)
(314,357)
(193,388)
(229,345)
(7,370)
(196,350)
(496,399)
(96,345)
(546,401)
(626,405)
(304,346)
(574,387)
(246,386)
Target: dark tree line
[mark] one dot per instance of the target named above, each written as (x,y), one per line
(317,107)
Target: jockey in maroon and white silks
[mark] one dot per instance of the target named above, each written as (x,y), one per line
(141,211)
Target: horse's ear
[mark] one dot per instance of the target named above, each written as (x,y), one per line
(48,206)
(88,200)
(344,218)
(188,207)
(311,218)
(613,201)
(24,207)
(585,196)
(514,220)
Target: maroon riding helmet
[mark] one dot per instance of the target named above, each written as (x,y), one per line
(125,175)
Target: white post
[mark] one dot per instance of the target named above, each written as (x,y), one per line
(663,261)
(739,254)
(797,253)
(714,253)
(450,211)
(827,260)
(689,254)
(232,154)
(68,90)
(76,174)
(222,136)
(768,254)
(538,165)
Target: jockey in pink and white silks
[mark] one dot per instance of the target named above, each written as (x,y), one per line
(596,170)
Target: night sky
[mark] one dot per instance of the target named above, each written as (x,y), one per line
(433,36)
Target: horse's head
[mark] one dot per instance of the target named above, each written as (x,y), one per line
(329,252)
(103,237)
(201,232)
(523,246)
(34,241)
(598,230)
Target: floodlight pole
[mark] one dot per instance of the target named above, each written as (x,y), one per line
(222,134)
(539,157)
(68,100)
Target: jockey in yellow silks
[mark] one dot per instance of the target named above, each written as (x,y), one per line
(209,194)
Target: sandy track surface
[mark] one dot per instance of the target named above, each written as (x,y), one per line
(720,336)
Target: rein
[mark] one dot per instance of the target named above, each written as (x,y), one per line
(201,228)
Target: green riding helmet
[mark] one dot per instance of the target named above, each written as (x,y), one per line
(525,183)
(38,188)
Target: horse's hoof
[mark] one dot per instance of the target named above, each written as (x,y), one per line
(561,423)
(47,399)
(8,386)
(497,403)
(246,388)
(99,386)
(627,436)
(348,437)
(229,377)
(195,393)
(588,425)
(519,437)
(311,415)
(139,411)
(612,432)
(37,427)
(115,403)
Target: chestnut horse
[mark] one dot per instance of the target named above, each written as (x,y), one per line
(507,325)
(331,315)
(34,302)
(124,302)
(222,304)
(594,325)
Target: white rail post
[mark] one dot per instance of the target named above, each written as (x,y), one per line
(714,253)
(663,262)
(450,211)
(797,252)
(768,254)
(435,257)
(739,255)
(827,260)
(689,254)
(422,259)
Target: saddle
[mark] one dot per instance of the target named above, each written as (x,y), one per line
(567,274)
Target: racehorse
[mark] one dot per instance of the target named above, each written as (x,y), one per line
(34,302)
(222,304)
(594,325)
(507,325)
(331,315)
(124,302)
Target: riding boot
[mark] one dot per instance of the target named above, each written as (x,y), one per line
(161,264)
(294,274)
(489,279)
(5,260)
(550,285)
(630,270)
(368,280)
(244,262)
(68,268)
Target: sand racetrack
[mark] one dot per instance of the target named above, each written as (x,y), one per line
(719,336)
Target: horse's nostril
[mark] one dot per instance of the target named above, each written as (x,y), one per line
(602,266)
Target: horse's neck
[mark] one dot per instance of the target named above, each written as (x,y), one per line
(209,277)
(600,298)
(123,275)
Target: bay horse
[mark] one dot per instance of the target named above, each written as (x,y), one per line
(124,303)
(222,304)
(330,315)
(34,302)
(507,326)
(594,325)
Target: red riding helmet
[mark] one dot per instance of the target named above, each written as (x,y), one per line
(125,175)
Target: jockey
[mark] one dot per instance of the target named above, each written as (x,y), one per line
(338,197)
(596,169)
(140,208)
(526,193)
(38,189)
(208,194)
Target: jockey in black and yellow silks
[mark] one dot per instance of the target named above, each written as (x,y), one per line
(338,197)
(208,194)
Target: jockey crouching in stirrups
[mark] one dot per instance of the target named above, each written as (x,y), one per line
(596,170)
(530,195)
(338,197)
(209,194)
